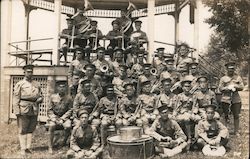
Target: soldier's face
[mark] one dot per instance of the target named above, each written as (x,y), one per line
(89,72)
(78,55)
(84,119)
(115,26)
(230,71)
(140,59)
(147,71)
(110,92)
(193,69)
(100,54)
(203,83)
(130,91)
(138,27)
(123,72)
(61,89)
(210,113)
(146,88)
(119,56)
(164,115)
(86,88)
(166,85)
(183,50)
(28,73)
(186,87)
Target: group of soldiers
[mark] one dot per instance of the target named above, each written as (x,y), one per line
(169,99)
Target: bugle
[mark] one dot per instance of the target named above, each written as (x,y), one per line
(154,71)
(104,68)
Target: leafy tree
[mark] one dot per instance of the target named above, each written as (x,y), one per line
(230,21)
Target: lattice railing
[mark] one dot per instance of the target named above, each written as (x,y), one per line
(43,106)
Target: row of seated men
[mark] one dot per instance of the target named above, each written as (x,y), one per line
(88,38)
(169,99)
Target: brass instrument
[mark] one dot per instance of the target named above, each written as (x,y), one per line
(104,68)
(154,71)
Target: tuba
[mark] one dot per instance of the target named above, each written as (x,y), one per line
(85,24)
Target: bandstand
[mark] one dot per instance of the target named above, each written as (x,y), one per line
(13,57)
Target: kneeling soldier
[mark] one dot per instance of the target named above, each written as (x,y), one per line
(211,131)
(170,139)
(84,141)
(59,112)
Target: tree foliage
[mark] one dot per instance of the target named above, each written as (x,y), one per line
(230,21)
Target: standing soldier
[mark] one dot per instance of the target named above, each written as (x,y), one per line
(137,68)
(75,71)
(26,99)
(229,85)
(118,60)
(128,111)
(115,35)
(182,59)
(212,133)
(59,113)
(170,139)
(84,141)
(159,62)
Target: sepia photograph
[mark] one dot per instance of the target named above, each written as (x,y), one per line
(124,79)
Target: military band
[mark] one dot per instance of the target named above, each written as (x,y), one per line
(169,99)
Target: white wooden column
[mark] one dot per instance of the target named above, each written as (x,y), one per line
(6,17)
(196,28)
(57,11)
(151,29)
(176,23)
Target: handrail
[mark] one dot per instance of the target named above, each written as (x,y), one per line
(16,47)
(216,68)
(30,40)
(164,43)
(30,51)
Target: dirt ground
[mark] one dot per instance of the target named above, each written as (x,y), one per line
(9,145)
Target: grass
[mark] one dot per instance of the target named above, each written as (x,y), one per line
(9,145)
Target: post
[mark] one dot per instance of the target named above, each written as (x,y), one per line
(196,29)
(6,17)
(55,54)
(151,38)
(176,22)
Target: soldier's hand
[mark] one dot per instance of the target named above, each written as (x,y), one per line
(89,153)
(212,142)
(39,100)
(217,140)
(166,139)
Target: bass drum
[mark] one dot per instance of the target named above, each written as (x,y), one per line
(142,148)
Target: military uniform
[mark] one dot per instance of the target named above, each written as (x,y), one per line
(229,86)
(115,36)
(91,35)
(59,113)
(170,139)
(139,36)
(84,141)
(82,101)
(26,99)
(128,113)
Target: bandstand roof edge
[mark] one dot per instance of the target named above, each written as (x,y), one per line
(114,4)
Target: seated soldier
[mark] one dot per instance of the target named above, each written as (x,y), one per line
(67,35)
(166,97)
(84,141)
(183,112)
(147,103)
(93,35)
(106,111)
(128,111)
(85,99)
(182,59)
(59,112)
(204,97)
(121,80)
(115,35)
(211,132)
(170,139)
(118,60)
(137,68)
(138,35)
